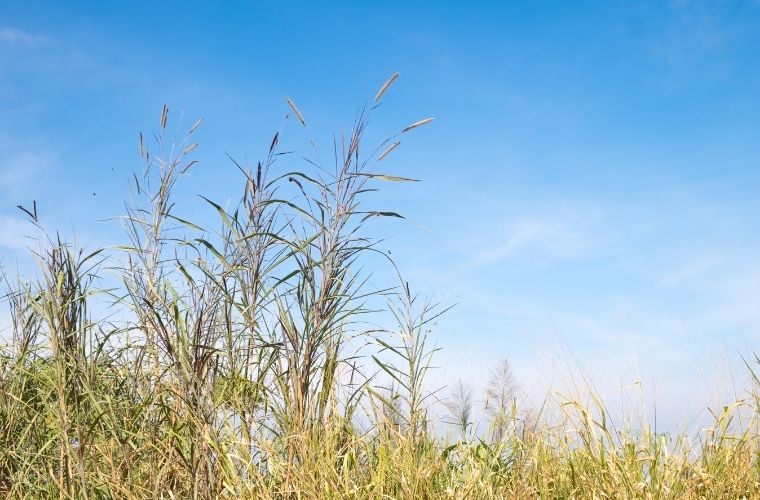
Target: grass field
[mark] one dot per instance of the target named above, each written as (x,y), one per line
(243,361)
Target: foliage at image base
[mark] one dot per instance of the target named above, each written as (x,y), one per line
(246,361)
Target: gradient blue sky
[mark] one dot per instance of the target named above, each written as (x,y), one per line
(590,183)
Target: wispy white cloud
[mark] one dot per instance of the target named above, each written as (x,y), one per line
(19,38)
(15,233)
(674,301)
(558,233)
(692,267)
(19,169)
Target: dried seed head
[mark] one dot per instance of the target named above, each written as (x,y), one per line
(195,126)
(275,139)
(295,110)
(385,87)
(387,151)
(164,115)
(187,167)
(418,124)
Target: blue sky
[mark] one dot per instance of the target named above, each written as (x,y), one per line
(590,184)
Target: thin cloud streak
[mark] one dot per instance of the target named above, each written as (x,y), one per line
(15,233)
(15,37)
(19,169)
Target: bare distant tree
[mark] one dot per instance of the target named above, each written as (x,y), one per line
(459,406)
(500,397)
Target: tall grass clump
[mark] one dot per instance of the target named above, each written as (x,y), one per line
(244,359)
